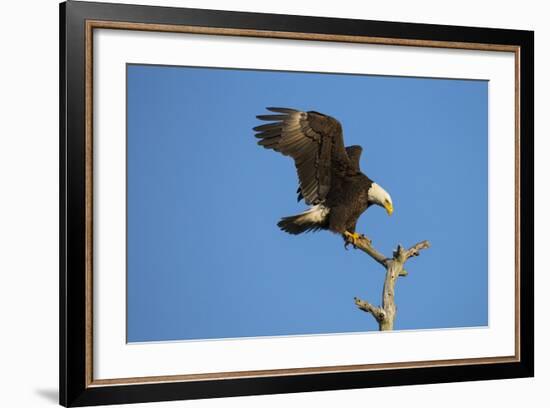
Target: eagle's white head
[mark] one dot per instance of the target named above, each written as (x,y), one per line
(377,195)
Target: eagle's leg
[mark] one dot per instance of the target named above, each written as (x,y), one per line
(338,222)
(342,223)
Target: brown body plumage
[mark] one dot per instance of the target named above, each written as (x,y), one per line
(329,173)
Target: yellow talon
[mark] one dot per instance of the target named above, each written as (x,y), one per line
(352,237)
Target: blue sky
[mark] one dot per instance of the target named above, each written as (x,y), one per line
(205,257)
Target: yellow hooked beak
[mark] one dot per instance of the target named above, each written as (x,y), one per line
(389,207)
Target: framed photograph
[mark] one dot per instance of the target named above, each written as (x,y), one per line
(256,203)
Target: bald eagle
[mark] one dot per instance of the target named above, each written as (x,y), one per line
(330,179)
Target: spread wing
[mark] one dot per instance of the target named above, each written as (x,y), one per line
(314,141)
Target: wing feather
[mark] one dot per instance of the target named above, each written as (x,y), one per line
(271,117)
(281,110)
(313,140)
(266,126)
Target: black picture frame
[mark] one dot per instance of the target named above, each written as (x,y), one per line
(75,389)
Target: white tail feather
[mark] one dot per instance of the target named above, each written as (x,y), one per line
(315,215)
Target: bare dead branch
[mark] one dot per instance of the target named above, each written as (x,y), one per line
(365,245)
(385,315)
(376,312)
(415,250)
